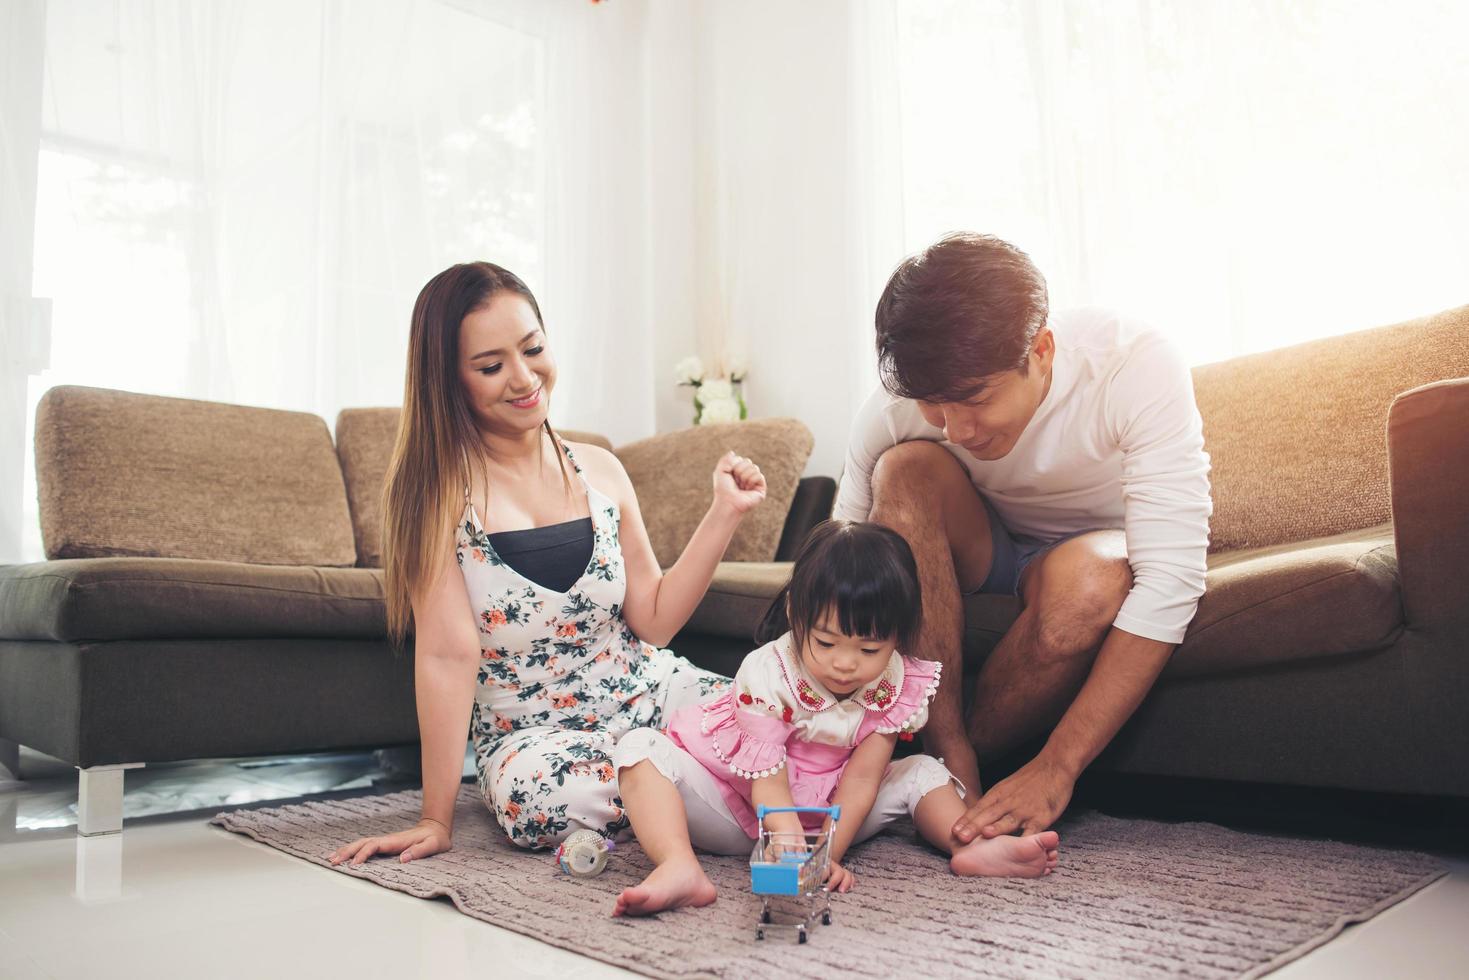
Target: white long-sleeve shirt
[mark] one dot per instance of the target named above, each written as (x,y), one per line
(1117,442)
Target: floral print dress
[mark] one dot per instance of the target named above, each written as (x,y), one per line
(561,678)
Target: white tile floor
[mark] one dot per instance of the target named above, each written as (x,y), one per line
(174,897)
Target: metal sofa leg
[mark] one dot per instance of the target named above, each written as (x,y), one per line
(9,760)
(400,761)
(99,798)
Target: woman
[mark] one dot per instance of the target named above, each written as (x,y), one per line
(537,606)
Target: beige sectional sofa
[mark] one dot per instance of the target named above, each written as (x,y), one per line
(211,590)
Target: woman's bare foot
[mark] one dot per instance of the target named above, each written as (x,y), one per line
(671,885)
(1008,857)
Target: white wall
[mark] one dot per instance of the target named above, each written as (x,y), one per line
(760,239)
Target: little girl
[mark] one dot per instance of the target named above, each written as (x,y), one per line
(811,720)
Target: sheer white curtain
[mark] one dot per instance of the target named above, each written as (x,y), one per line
(1245,175)
(239,202)
(23,329)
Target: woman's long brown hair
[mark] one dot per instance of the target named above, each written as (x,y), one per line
(438,441)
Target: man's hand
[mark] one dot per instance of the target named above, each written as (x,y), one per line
(1036,796)
(1031,799)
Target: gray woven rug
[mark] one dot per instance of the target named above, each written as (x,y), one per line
(1131,898)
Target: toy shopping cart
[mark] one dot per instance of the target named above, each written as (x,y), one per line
(795,865)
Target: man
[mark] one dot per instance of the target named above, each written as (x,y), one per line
(1057,458)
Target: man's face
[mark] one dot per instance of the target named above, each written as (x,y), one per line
(989,424)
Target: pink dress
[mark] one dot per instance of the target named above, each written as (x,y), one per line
(776,714)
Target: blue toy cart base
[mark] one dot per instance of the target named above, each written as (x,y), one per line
(794,865)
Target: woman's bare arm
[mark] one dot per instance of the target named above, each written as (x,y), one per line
(446,661)
(659,603)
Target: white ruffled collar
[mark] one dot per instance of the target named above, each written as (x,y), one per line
(812,695)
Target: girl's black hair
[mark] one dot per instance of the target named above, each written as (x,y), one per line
(863,573)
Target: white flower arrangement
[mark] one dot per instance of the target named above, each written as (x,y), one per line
(720,410)
(718,397)
(689,371)
(716,390)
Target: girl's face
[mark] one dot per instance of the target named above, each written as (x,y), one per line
(505,367)
(843,664)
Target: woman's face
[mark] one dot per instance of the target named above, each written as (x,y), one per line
(505,366)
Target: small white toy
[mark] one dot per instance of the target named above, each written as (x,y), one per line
(584,853)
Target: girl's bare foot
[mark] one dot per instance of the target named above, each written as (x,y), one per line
(1008,857)
(671,885)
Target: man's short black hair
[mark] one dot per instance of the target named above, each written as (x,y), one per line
(964,308)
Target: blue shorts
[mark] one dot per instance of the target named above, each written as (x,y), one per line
(1012,554)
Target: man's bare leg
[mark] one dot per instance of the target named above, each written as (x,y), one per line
(921,491)
(1071,593)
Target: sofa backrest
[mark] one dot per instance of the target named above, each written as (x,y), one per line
(365,438)
(671,474)
(125,474)
(1297,437)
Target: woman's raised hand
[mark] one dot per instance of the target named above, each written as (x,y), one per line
(738,482)
(425,838)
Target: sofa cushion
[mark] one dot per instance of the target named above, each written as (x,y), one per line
(162,598)
(671,474)
(141,475)
(1265,606)
(365,438)
(1297,437)
(738,597)
(1327,597)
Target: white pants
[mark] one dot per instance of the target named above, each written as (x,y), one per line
(713,829)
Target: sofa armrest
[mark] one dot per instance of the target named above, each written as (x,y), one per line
(815,497)
(1428,459)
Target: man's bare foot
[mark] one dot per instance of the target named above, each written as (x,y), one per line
(1008,857)
(671,885)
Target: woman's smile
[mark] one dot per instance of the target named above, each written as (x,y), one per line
(529,401)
